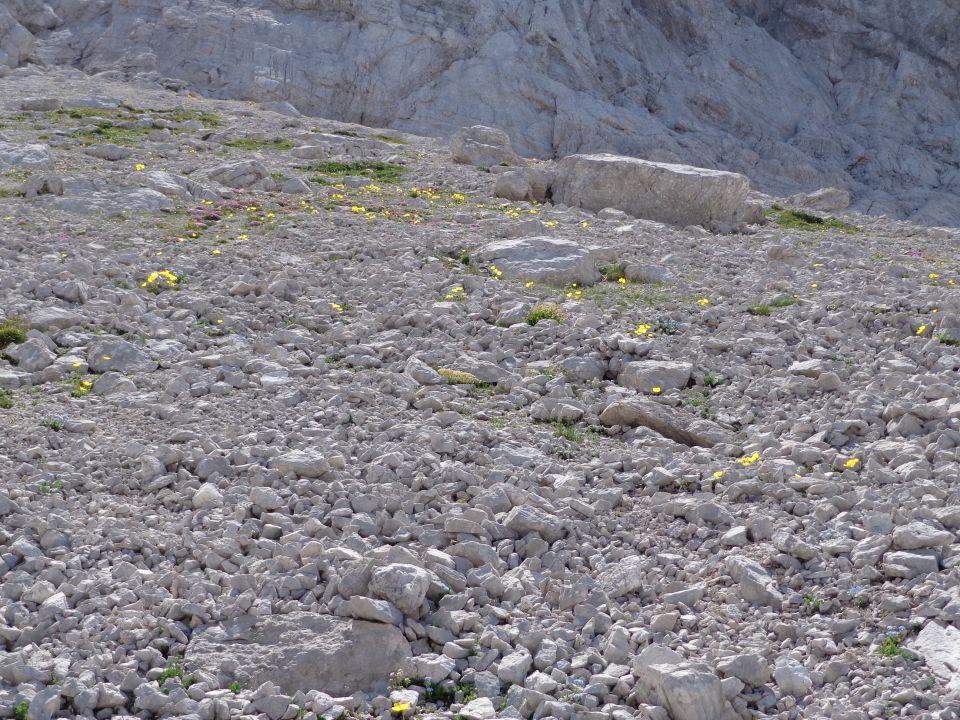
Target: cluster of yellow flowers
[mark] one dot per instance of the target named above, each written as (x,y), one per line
(168,276)
(497,272)
(337,306)
(643,329)
(748,460)
(456,293)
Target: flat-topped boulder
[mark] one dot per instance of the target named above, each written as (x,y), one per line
(676,194)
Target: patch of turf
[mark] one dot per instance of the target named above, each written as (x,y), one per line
(260,144)
(800,220)
(374,169)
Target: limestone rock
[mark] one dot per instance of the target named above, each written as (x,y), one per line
(756,585)
(541,259)
(667,421)
(404,585)
(939,646)
(676,194)
(647,374)
(27,157)
(824,199)
(16,42)
(481,145)
(116,354)
(300,651)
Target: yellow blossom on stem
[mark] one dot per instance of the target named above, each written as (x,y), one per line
(718,474)
(656,390)
(400,707)
(921,330)
(622,281)
(139,166)
(748,460)
(703,301)
(852,463)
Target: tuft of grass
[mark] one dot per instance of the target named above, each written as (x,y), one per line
(712,380)
(784,302)
(260,144)
(545,311)
(612,273)
(759,310)
(459,377)
(55,424)
(235,687)
(800,220)
(6,399)
(175,669)
(890,646)
(949,340)
(374,169)
(20,710)
(567,431)
(13,330)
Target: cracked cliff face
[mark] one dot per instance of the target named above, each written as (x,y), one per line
(797,95)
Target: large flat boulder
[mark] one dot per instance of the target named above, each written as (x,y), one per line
(300,651)
(31,156)
(676,194)
(669,422)
(483,146)
(542,259)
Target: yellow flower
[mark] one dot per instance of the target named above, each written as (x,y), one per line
(703,301)
(139,166)
(86,383)
(935,310)
(77,364)
(748,460)
(219,322)
(216,251)
(818,264)
(585,225)
(457,197)
(643,329)
(852,463)
(622,281)
(922,329)
(656,390)
(933,276)
(241,237)
(457,289)
(813,285)
(532,212)
(336,306)
(951,282)
(107,357)
(718,474)
(529,283)
(400,707)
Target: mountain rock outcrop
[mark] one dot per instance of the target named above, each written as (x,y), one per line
(856,94)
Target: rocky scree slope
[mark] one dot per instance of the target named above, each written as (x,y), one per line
(859,94)
(275,436)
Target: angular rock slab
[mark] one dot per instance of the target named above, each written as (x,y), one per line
(648,374)
(481,145)
(665,420)
(301,651)
(675,194)
(542,259)
(939,646)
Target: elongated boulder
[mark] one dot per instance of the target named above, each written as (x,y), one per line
(300,651)
(669,422)
(668,193)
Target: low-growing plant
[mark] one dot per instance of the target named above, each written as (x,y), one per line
(175,669)
(783,302)
(376,170)
(891,640)
(812,601)
(6,399)
(948,340)
(760,310)
(567,431)
(21,710)
(459,377)
(545,311)
(612,272)
(13,330)
(260,144)
(712,380)
(55,424)
(801,220)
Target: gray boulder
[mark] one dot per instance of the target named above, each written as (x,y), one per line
(241,175)
(688,691)
(939,646)
(647,374)
(676,194)
(300,651)
(32,355)
(481,145)
(16,42)
(824,199)
(542,259)
(756,585)
(669,422)
(403,585)
(27,157)
(104,355)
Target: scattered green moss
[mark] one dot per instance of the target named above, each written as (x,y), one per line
(949,340)
(55,424)
(21,710)
(801,220)
(760,310)
(260,144)
(6,399)
(374,169)
(13,330)
(545,311)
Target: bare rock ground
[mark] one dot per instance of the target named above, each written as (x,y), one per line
(257,380)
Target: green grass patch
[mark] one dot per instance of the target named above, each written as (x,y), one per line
(260,144)
(567,431)
(374,169)
(949,340)
(545,311)
(784,302)
(647,294)
(6,399)
(712,380)
(759,310)
(800,220)
(107,132)
(13,330)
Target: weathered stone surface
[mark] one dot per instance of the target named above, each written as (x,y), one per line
(300,651)
(688,691)
(648,374)
(665,192)
(667,421)
(26,157)
(16,42)
(404,585)
(302,463)
(824,199)
(756,585)
(939,646)
(481,145)
(108,354)
(542,259)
